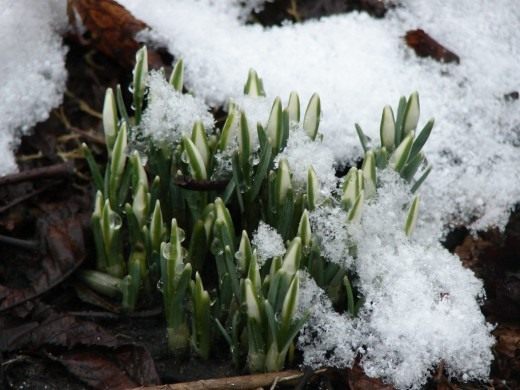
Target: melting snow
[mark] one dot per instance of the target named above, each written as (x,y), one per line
(358,64)
(32,64)
(268,243)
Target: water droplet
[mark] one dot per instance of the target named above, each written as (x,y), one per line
(184,157)
(165,251)
(256,161)
(239,256)
(216,248)
(160,286)
(115,221)
(181,235)
(131,88)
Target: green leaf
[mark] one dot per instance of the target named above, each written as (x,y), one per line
(200,139)
(261,170)
(400,120)
(245,252)
(140,205)
(254,85)
(118,162)
(387,128)
(283,181)
(177,76)
(411,217)
(244,142)
(195,160)
(411,114)
(351,308)
(110,119)
(422,138)
(94,168)
(304,229)
(362,138)
(290,302)
(101,282)
(253,309)
(313,188)
(140,74)
(400,156)
(227,130)
(274,125)
(354,214)
(412,166)
(198,245)
(311,120)
(421,179)
(293,107)
(132,282)
(351,189)
(292,258)
(157,228)
(369,174)
(121,104)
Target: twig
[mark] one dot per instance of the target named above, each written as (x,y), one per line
(200,185)
(246,382)
(25,244)
(57,170)
(114,316)
(27,196)
(62,117)
(83,105)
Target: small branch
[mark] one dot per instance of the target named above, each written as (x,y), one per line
(246,382)
(200,185)
(27,196)
(115,316)
(51,171)
(21,243)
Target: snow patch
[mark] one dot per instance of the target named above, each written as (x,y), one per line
(171,114)
(32,64)
(474,145)
(268,243)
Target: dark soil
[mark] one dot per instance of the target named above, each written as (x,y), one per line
(57,334)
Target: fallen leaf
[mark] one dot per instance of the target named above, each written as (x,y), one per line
(507,350)
(61,232)
(108,363)
(425,46)
(112,30)
(358,380)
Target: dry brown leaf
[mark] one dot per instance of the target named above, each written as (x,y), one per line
(425,46)
(112,29)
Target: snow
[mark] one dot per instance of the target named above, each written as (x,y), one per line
(32,64)
(268,243)
(358,64)
(329,225)
(171,114)
(421,305)
(327,335)
(301,153)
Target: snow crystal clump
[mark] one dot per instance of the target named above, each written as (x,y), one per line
(421,303)
(268,243)
(327,336)
(171,114)
(329,225)
(302,152)
(32,64)
(474,146)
